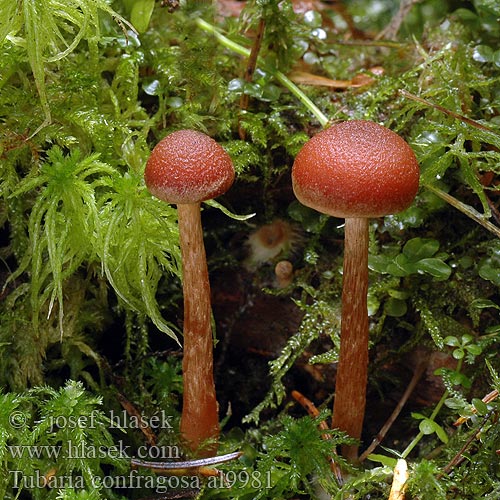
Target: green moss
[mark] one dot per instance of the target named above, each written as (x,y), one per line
(88,255)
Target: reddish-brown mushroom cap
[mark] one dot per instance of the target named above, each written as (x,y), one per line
(188,167)
(356,169)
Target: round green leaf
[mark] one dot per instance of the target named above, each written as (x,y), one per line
(399,294)
(236,85)
(378,263)
(434,267)
(457,378)
(451,341)
(496,58)
(480,406)
(270,93)
(420,248)
(483,53)
(490,273)
(395,307)
(426,427)
(312,19)
(474,349)
(401,266)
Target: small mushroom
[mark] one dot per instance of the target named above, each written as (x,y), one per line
(283,272)
(355,170)
(186,168)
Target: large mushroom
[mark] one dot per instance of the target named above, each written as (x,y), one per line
(186,168)
(355,170)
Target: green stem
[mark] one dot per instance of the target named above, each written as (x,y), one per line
(465,209)
(434,414)
(224,40)
(286,82)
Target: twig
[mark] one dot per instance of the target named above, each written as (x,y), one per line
(491,396)
(134,412)
(250,69)
(391,30)
(458,116)
(459,457)
(465,209)
(417,374)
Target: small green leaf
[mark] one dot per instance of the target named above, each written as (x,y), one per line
(496,58)
(378,263)
(474,349)
(484,304)
(399,294)
(236,85)
(451,341)
(270,93)
(490,273)
(458,353)
(434,267)
(141,14)
(482,53)
(441,433)
(420,248)
(395,307)
(313,19)
(225,211)
(384,460)
(426,427)
(457,378)
(454,403)
(467,339)
(480,406)
(400,266)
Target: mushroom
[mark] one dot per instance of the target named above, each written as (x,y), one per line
(186,168)
(355,170)
(283,272)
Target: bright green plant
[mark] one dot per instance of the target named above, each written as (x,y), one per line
(49,33)
(48,435)
(63,224)
(89,256)
(139,243)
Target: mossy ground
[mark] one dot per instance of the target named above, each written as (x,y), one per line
(90,311)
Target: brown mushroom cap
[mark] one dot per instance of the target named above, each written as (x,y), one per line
(188,167)
(356,169)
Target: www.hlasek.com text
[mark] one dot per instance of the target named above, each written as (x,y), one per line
(82,450)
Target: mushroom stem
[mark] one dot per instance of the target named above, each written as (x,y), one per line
(199,420)
(352,370)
